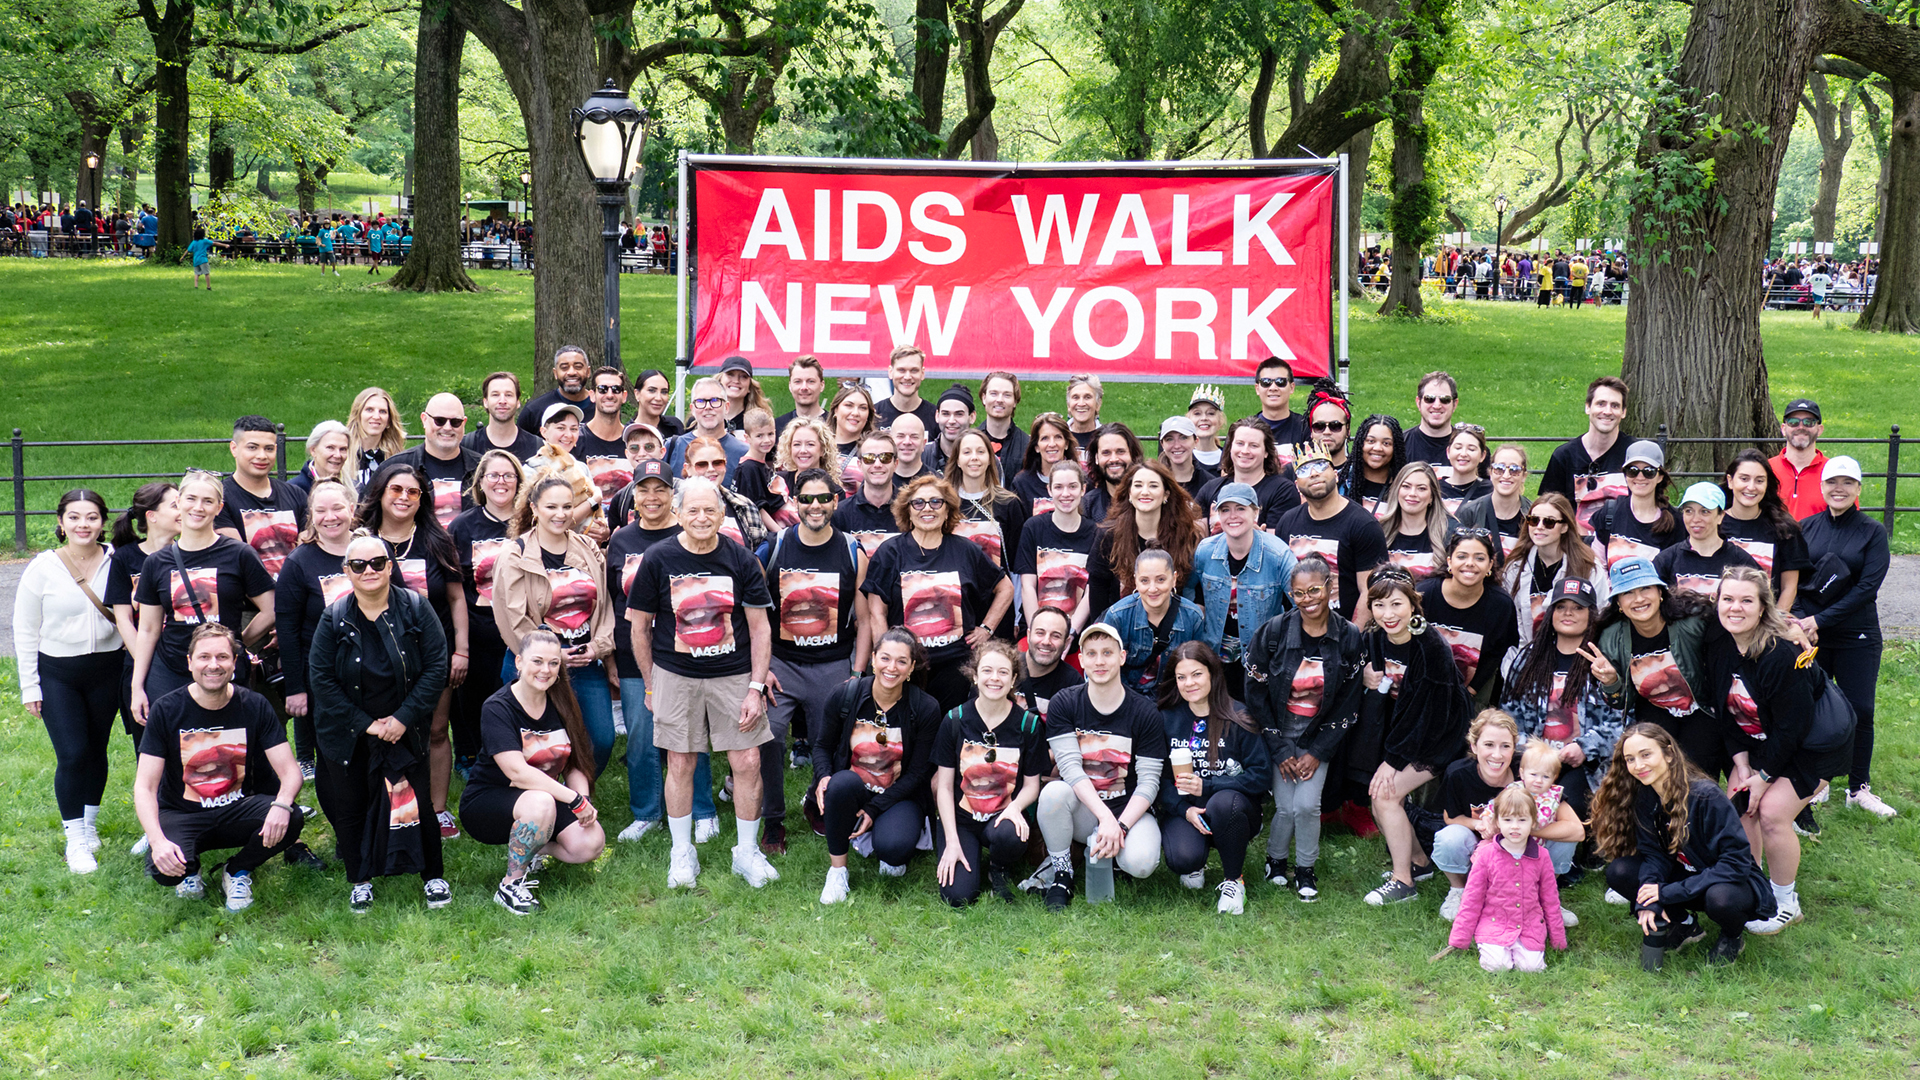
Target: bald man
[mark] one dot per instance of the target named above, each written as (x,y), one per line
(448,464)
(909,438)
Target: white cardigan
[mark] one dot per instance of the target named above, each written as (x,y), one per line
(52,616)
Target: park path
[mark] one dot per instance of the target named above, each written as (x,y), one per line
(1899,600)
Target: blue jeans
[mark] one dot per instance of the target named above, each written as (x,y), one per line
(590,689)
(646,791)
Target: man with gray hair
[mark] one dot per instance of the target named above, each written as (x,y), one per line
(709,422)
(571,374)
(703,643)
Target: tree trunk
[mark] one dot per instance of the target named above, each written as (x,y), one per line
(1416,203)
(979,33)
(132,133)
(433,263)
(1358,150)
(220,156)
(172,33)
(1896,297)
(1693,353)
(263,183)
(1361,82)
(1833,123)
(1877,132)
(932,46)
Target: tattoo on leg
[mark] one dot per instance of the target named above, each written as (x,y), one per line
(523,843)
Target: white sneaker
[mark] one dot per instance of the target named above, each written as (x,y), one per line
(863,844)
(1233,898)
(1788,914)
(835,890)
(683,868)
(753,866)
(190,888)
(619,728)
(140,846)
(1820,797)
(1568,918)
(1615,898)
(1865,799)
(239,890)
(80,858)
(91,831)
(636,830)
(726,790)
(705,829)
(887,869)
(1195,880)
(1450,907)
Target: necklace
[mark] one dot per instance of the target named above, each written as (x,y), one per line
(401,552)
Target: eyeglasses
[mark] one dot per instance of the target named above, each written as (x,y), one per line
(361,566)
(1312,593)
(1507,468)
(1640,472)
(446,421)
(825,498)
(1431,400)
(1539,522)
(1801,422)
(926,504)
(615,388)
(1329,425)
(402,491)
(497,477)
(708,402)
(1270,381)
(883,458)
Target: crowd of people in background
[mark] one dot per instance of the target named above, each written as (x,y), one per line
(1038,654)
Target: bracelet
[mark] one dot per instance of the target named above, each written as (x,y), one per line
(461,655)
(578,802)
(288,807)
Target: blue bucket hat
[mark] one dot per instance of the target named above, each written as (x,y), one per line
(1630,574)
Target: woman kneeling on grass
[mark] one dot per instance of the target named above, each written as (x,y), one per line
(1677,847)
(1220,768)
(531,783)
(988,760)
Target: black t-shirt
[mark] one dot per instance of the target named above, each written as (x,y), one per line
(1032,487)
(988,766)
(1288,432)
(1276,493)
(1660,690)
(415,567)
(1414,553)
(1431,449)
(1109,742)
(939,595)
(780,422)
(310,580)
(1587,482)
(814,597)
(1684,568)
(624,550)
(531,413)
(214,757)
(1760,539)
(1479,636)
(1056,559)
(1391,658)
(1464,794)
(1372,497)
(525,443)
(505,727)
(380,686)
(123,575)
(1452,495)
(1564,720)
(1350,541)
(885,412)
(449,481)
(270,526)
(760,484)
(996,531)
(1202,476)
(224,574)
(1037,693)
(1623,536)
(865,522)
(699,606)
(478,538)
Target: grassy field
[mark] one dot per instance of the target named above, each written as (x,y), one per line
(111,976)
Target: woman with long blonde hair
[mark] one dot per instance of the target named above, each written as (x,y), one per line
(374,434)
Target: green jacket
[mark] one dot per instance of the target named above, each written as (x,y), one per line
(1684,637)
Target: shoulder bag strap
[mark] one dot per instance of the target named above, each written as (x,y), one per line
(180,565)
(74,571)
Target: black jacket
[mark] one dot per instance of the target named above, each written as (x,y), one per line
(1278,648)
(832,753)
(1860,543)
(469,461)
(1717,850)
(1783,695)
(410,632)
(1426,724)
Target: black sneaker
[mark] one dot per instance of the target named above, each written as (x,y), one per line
(1060,893)
(1276,872)
(302,855)
(1306,884)
(997,881)
(1571,878)
(513,896)
(1803,822)
(439,893)
(1420,874)
(464,766)
(1727,949)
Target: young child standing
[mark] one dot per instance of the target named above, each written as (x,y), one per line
(1556,825)
(1512,905)
(754,477)
(201,251)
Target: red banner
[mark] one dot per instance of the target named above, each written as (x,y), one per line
(1135,274)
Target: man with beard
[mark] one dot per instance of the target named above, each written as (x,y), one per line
(805,381)
(867,515)
(446,461)
(1115,449)
(1042,672)
(703,644)
(1110,748)
(500,397)
(953,415)
(909,440)
(999,397)
(709,421)
(1336,529)
(1063,541)
(814,572)
(570,382)
(1586,470)
(600,435)
(1798,465)
(204,759)
(1435,400)
(264,513)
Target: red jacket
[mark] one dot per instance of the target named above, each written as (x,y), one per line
(1800,488)
(1510,901)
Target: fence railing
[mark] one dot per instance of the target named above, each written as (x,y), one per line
(20,478)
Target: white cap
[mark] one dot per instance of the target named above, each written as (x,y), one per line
(1841,466)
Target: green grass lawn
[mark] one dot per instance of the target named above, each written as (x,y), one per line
(111,976)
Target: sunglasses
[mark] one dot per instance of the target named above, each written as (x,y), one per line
(1505,468)
(446,421)
(1640,472)
(925,504)
(1329,425)
(1801,422)
(1539,522)
(1271,381)
(402,491)
(1310,468)
(1446,400)
(883,458)
(1464,426)
(708,402)
(825,498)
(614,389)
(1474,532)
(361,566)
(992,742)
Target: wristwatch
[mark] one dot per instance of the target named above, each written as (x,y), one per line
(757,687)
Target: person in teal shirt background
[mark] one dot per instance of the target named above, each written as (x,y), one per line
(201,250)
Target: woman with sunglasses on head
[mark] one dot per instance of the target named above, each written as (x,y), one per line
(201,577)
(1548,551)
(374,434)
(1467,459)
(1049,441)
(149,524)
(988,760)
(1758,523)
(1251,459)
(1416,527)
(69,652)
(1503,509)
(1219,765)
(1380,453)
(873,757)
(377,667)
(397,507)
(309,581)
(549,577)
(1639,524)
(479,533)
(991,516)
(852,415)
(652,394)
(1474,615)
(326,455)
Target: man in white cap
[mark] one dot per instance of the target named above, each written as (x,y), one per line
(1177,438)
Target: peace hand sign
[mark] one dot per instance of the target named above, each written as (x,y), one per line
(1598,664)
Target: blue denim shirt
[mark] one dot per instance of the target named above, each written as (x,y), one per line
(1129,616)
(1263,587)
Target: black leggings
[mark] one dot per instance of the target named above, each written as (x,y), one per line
(346,800)
(896,832)
(81,695)
(1730,905)
(1005,849)
(1234,819)
(1857,673)
(487,655)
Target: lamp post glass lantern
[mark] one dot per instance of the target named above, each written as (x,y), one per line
(1499,234)
(610,133)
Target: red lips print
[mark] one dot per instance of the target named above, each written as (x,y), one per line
(933,611)
(1309,686)
(1656,677)
(987,787)
(574,596)
(213,764)
(272,534)
(809,611)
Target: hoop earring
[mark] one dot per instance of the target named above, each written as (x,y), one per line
(1417,624)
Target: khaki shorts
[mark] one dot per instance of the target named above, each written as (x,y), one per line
(692,716)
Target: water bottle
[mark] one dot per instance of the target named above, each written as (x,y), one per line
(1099,880)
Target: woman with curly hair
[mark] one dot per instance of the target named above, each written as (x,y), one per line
(1379,453)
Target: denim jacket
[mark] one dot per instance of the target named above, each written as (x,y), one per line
(1129,616)
(1263,588)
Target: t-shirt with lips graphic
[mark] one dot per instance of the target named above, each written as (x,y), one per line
(988,765)
(1660,690)
(270,526)
(223,575)
(1760,539)
(1453,496)
(1033,488)
(1110,743)
(1308,687)
(865,522)
(1742,709)
(996,530)
(1056,560)
(1587,482)
(575,593)
(1413,552)
(626,550)
(123,574)
(699,606)
(1372,497)
(1464,794)
(877,746)
(815,596)
(610,473)
(1391,658)
(1350,541)
(478,538)
(939,595)
(506,727)
(1684,568)
(1479,635)
(447,483)
(1622,536)
(1562,724)
(212,757)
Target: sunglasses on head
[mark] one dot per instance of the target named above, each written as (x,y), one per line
(1475,428)
(361,566)
(1640,472)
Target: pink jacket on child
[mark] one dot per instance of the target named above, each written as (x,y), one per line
(1510,901)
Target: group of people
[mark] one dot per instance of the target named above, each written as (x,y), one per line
(989,643)
(1819,284)
(1490,274)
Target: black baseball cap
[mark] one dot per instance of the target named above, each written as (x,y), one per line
(654,469)
(1805,405)
(736,363)
(1577,589)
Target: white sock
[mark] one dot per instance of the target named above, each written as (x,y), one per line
(681,829)
(1453,891)
(1065,854)
(89,814)
(749,833)
(1783,893)
(72,825)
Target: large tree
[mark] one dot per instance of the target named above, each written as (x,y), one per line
(433,262)
(1424,31)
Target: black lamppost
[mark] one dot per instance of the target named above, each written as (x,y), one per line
(610,132)
(1499,233)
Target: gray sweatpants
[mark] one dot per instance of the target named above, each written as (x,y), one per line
(1064,820)
(1296,817)
(804,689)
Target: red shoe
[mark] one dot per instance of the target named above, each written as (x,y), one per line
(1356,818)
(773,839)
(448,830)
